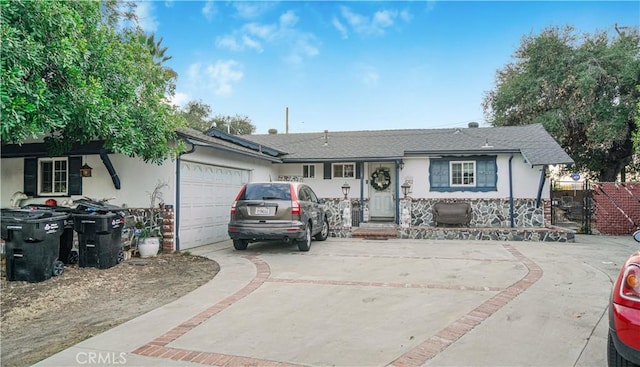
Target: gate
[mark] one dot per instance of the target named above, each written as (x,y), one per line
(572,205)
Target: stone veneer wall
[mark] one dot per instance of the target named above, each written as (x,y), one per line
(490,222)
(487,213)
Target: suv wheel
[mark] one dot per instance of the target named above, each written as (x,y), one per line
(240,244)
(305,243)
(324,232)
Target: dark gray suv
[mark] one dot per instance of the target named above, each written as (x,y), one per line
(286,211)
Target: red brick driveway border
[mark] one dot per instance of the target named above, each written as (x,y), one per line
(416,356)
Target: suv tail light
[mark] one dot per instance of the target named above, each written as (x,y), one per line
(235,202)
(295,204)
(295,208)
(630,284)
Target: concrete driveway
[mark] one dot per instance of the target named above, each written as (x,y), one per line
(354,302)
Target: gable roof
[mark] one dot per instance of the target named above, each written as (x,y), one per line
(532,141)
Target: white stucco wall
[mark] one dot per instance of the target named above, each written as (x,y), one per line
(525,180)
(137,178)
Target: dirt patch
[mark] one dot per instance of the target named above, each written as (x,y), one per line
(41,319)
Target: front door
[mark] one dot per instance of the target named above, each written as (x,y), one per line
(381,188)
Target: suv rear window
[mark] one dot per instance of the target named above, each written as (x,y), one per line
(267,191)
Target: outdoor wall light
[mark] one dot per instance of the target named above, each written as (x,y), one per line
(401,165)
(345,190)
(405,189)
(85,170)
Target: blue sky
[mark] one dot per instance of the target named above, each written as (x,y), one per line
(355,65)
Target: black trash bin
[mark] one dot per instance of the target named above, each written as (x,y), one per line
(32,243)
(99,228)
(67,254)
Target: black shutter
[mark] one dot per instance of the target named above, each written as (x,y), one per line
(327,171)
(30,187)
(359,169)
(75,179)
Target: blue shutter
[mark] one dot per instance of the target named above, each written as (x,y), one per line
(327,171)
(486,173)
(439,173)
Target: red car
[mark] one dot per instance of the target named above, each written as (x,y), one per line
(624,314)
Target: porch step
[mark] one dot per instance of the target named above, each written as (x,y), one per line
(375,232)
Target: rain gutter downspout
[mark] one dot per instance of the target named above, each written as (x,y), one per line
(511,192)
(397,190)
(361,210)
(177,208)
(107,163)
(543,178)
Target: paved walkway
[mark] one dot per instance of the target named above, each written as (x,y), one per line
(380,303)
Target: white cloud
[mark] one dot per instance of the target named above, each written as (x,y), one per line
(255,36)
(375,25)
(251,43)
(218,77)
(228,42)
(262,31)
(303,47)
(180,99)
(340,27)
(209,10)
(222,75)
(288,19)
(146,19)
(251,9)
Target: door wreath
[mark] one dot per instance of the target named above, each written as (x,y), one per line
(381,179)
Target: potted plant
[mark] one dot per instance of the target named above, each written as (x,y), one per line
(150,235)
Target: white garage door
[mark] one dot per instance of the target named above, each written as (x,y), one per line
(206,194)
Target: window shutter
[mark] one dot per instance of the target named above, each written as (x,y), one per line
(75,179)
(327,171)
(359,170)
(30,186)
(439,173)
(487,173)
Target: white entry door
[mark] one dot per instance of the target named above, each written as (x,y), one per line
(381,188)
(206,194)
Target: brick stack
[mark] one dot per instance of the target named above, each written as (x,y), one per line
(168,229)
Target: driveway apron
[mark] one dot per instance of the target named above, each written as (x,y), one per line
(353,302)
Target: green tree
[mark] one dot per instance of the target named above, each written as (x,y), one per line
(197,115)
(72,73)
(237,125)
(582,88)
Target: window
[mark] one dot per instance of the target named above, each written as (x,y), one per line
(308,171)
(53,174)
(58,176)
(346,170)
(462,173)
(478,173)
